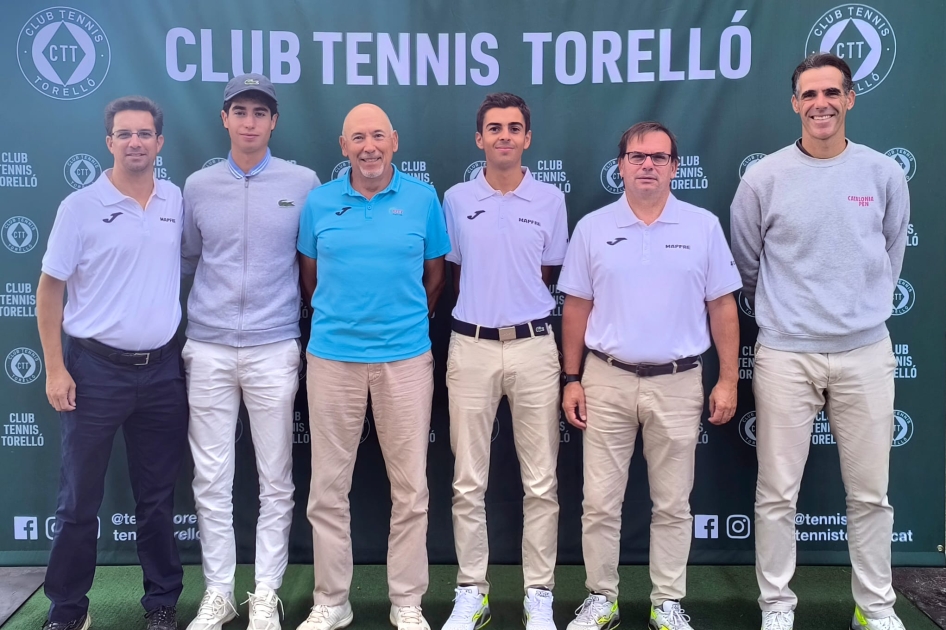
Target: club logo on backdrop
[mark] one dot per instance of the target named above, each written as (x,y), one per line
(340,169)
(860,35)
(902,428)
(19,234)
(750,161)
(473,170)
(903,297)
(611,177)
(213,161)
(23,365)
(744,305)
(63,53)
(81,170)
(905,160)
(747,429)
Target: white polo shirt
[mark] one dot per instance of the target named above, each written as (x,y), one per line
(121,264)
(501,242)
(650,284)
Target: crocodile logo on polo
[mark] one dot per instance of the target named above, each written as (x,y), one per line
(286,203)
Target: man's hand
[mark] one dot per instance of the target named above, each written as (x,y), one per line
(573,404)
(61,389)
(722,402)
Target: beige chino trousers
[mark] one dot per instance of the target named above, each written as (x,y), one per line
(667,410)
(401,393)
(479,373)
(856,388)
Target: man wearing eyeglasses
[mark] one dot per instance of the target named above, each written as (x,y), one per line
(115,246)
(640,277)
(241,220)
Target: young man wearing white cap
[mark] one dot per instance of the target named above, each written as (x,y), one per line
(241,221)
(507,233)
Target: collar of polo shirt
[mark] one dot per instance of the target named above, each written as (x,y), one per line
(394,185)
(670,213)
(109,195)
(525,189)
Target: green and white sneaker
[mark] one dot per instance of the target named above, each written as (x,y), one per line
(860,622)
(537,610)
(470,610)
(668,616)
(777,620)
(596,613)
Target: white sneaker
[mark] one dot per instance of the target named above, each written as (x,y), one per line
(470,610)
(777,620)
(860,622)
(323,617)
(408,618)
(264,609)
(537,609)
(215,610)
(668,616)
(596,613)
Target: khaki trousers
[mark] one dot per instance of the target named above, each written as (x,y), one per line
(856,388)
(479,373)
(401,393)
(667,410)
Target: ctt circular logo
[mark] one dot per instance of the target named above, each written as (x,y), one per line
(903,297)
(749,162)
(23,366)
(340,168)
(611,177)
(902,428)
(473,170)
(747,429)
(213,161)
(860,35)
(19,234)
(905,160)
(744,305)
(81,170)
(63,53)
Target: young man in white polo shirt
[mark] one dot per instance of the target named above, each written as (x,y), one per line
(241,221)
(507,233)
(115,246)
(640,278)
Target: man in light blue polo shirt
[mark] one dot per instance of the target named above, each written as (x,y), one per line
(372,247)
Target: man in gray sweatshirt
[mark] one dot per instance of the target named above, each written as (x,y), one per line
(818,232)
(241,221)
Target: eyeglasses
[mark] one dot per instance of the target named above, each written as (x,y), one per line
(144,135)
(637,158)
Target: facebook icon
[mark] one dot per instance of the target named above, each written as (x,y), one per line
(25,528)
(705,526)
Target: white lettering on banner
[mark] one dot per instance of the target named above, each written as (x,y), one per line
(454,58)
(913,238)
(746,363)
(18,300)
(552,172)
(906,368)
(21,430)
(570,56)
(416,168)
(16,171)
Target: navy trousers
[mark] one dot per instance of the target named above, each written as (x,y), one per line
(149,404)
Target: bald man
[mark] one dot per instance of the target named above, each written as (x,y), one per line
(371,245)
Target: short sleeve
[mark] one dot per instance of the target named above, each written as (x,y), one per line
(306,242)
(448,212)
(438,241)
(722,275)
(575,278)
(555,248)
(64,249)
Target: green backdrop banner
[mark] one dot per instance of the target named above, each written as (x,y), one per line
(717,73)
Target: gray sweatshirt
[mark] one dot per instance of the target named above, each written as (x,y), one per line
(820,244)
(240,236)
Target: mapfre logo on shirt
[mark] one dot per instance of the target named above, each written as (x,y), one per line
(861,201)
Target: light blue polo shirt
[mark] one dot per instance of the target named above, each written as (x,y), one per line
(370,305)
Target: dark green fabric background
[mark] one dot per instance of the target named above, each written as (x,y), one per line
(580,107)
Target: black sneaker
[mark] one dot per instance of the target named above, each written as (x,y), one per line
(82,623)
(162,618)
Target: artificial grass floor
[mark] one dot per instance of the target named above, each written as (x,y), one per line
(718,598)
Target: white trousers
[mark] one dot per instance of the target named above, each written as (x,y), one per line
(267,378)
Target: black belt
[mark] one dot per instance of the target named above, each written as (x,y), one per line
(650,369)
(538,328)
(125,357)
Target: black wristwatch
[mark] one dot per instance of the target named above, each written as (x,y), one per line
(570,378)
